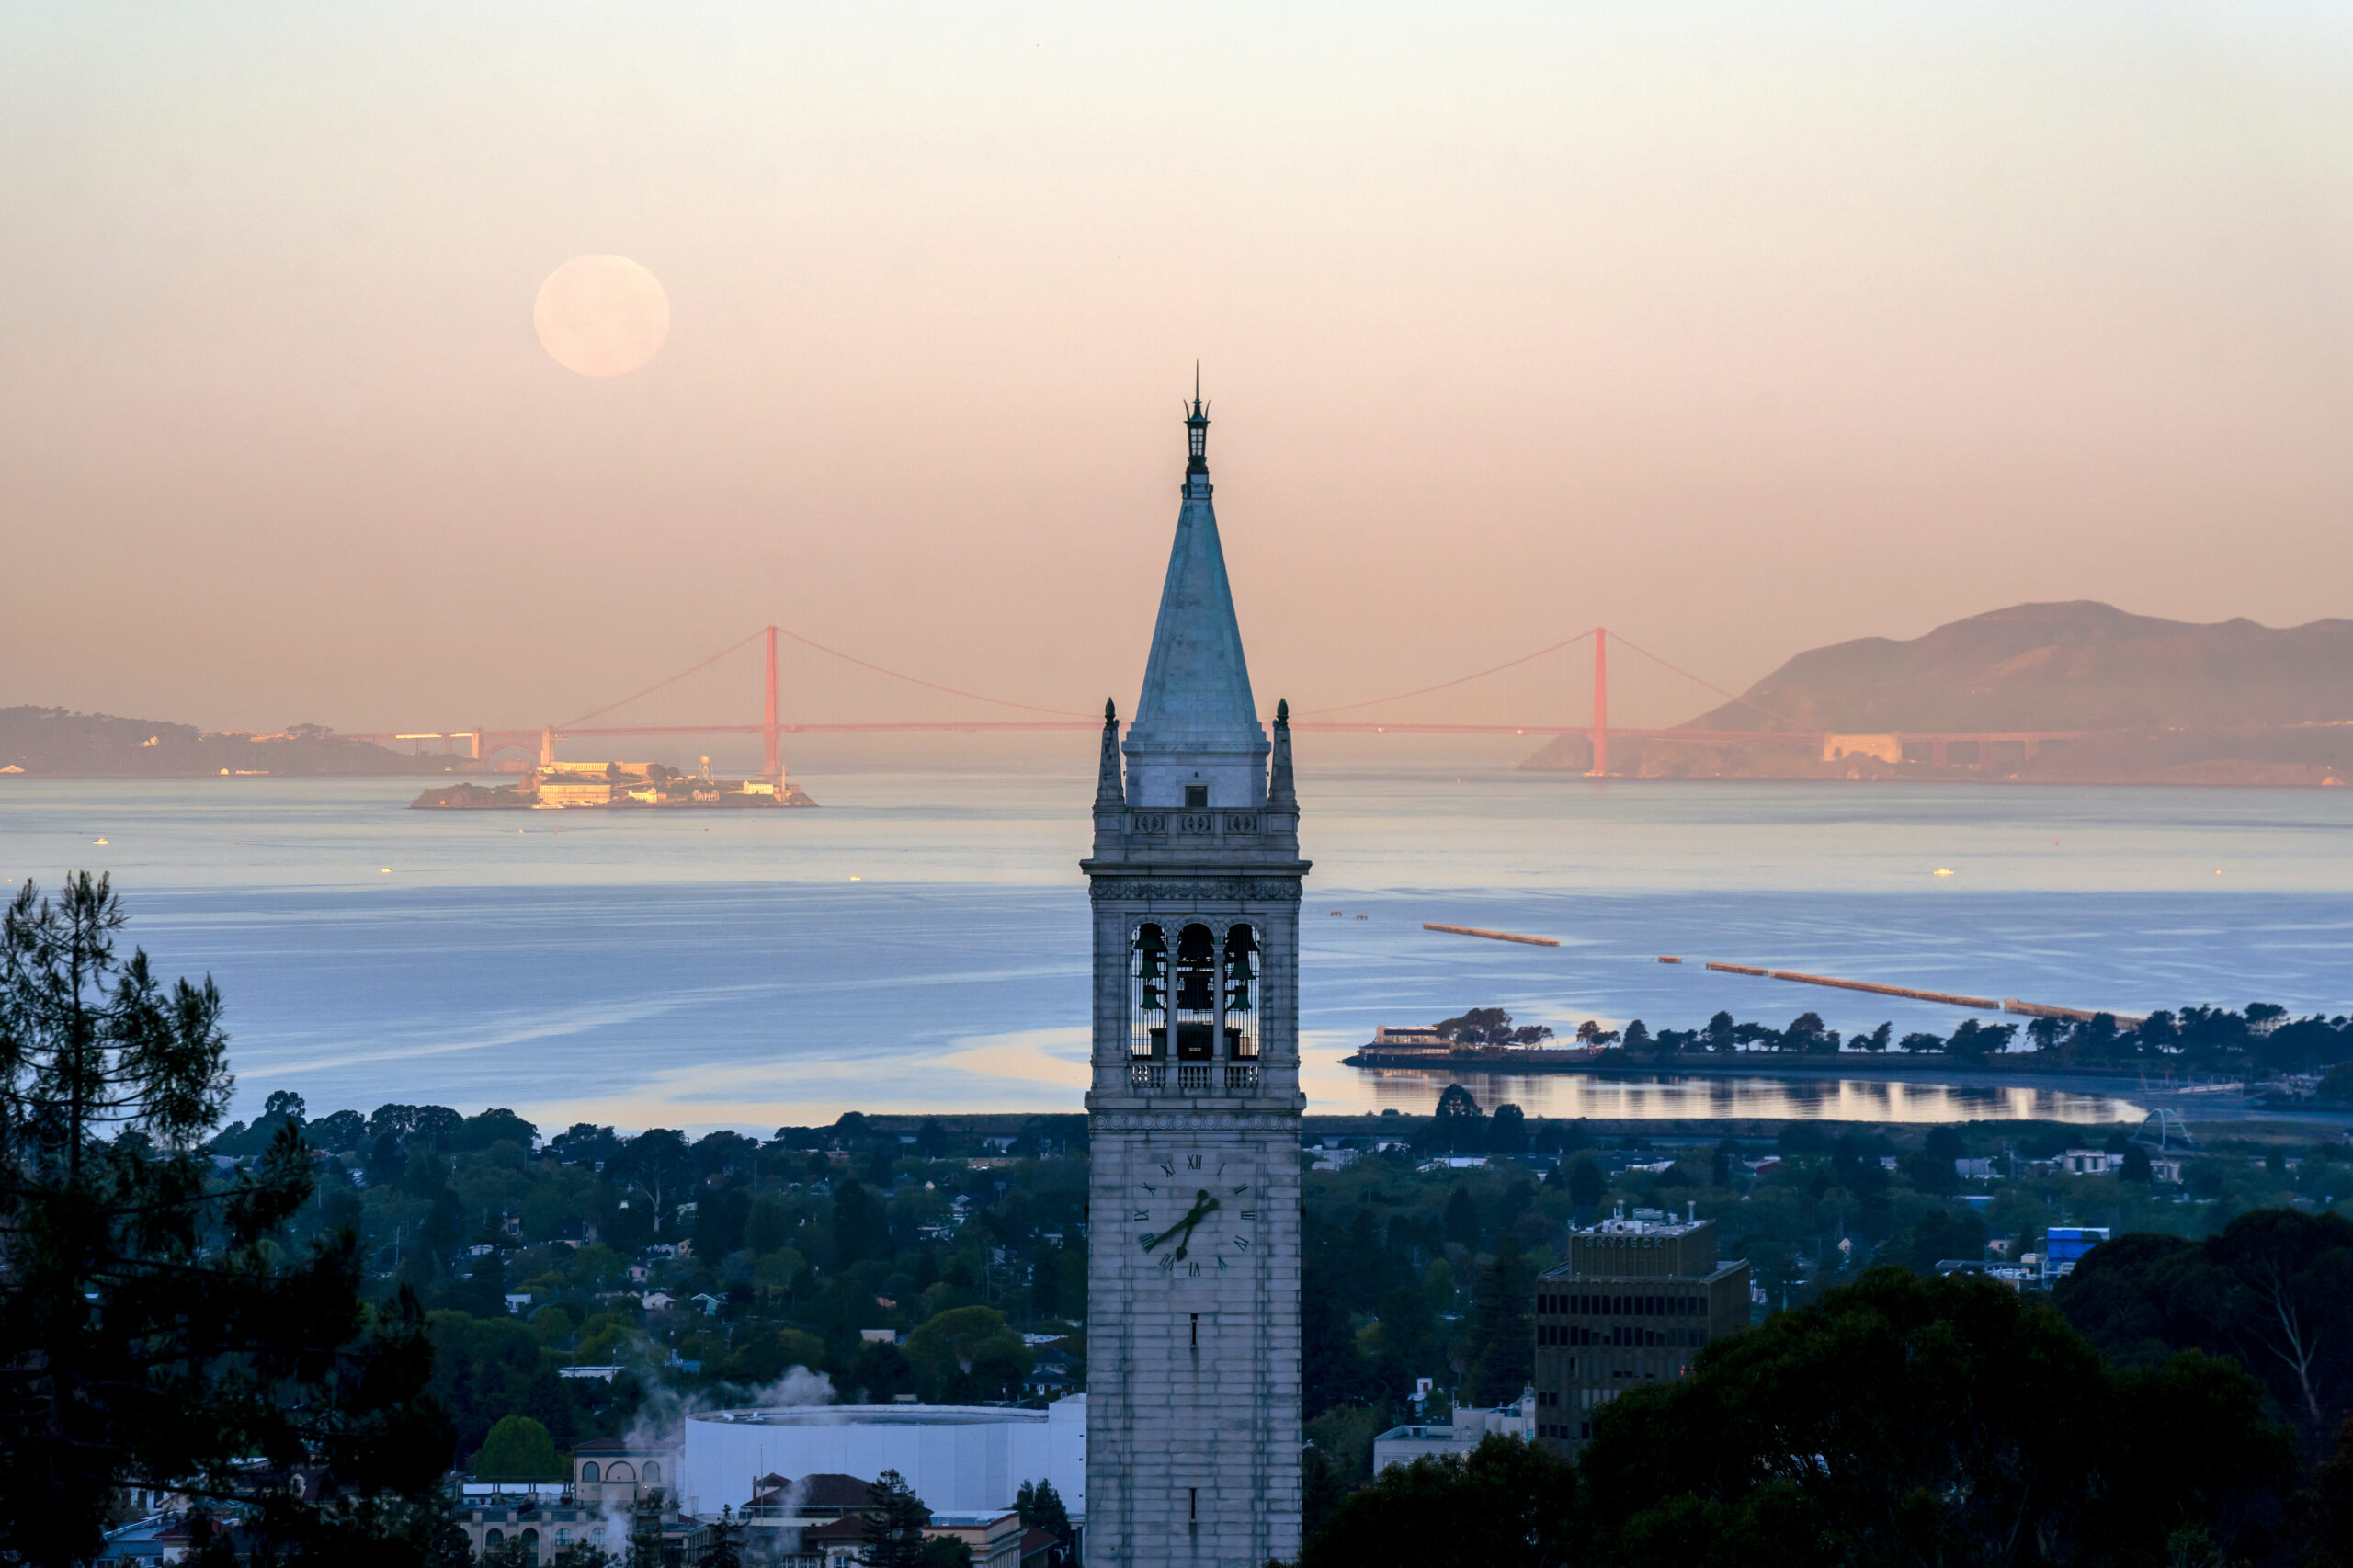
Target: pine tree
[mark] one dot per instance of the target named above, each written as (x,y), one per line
(1458,1123)
(1500,1354)
(725,1548)
(1585,1183)
(152,1327)
(1042,1509)
(894,1519)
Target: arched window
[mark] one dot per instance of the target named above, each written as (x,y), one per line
(617,1471)
(1241,993)
(530,1546)
(1149,957)
(494,1538)
(652,1472)
(1196,993)
(589,1471)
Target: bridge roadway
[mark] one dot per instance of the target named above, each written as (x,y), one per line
(487,743)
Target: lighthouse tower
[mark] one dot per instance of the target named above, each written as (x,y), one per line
(1193,1244)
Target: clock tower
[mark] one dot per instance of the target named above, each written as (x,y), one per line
(1193,1241)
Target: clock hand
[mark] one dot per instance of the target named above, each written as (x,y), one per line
(1186,1224)
(1203,1204)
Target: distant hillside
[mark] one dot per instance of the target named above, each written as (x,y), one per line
(2167,702)
(53,742)
(2082,665)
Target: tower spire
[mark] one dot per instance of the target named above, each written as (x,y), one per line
(1196,736)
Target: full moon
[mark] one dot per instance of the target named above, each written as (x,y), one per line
(601,315)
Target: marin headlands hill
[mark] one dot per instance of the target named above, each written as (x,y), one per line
(1051,787)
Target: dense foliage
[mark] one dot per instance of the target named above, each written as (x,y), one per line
(2273,1289)
(1491,1025)
(708,1267)
(1895,1420)
(1507,1505)
(2262,1040)
(1948,1421)
(158,1331)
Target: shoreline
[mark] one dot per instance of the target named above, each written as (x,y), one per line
(1756,1064)
(2193,1103)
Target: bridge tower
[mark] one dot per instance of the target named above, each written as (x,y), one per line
(1193,1250)
(772,763)
(1600,701)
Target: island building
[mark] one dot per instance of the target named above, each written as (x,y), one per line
(1633,1303)
(1193,1258)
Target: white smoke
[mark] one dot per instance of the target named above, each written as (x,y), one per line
(661,1423)
(797,1390)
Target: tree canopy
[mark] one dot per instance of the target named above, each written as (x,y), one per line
(1507,1505)
(1947,1421)
(2273,1288)
(518,1448)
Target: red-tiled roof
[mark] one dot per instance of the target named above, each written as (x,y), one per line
(831,1489)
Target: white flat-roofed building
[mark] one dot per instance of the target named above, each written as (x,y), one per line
(960,1458)
(1459,1437)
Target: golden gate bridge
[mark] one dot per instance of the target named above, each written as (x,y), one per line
(486,745)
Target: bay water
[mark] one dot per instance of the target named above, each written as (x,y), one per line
(919,941)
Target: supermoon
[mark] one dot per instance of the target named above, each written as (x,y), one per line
(601,315)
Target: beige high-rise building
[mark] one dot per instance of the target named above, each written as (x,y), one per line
(1633,1303)
(1193,1244)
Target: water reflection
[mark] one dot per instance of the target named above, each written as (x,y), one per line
(1667,1096)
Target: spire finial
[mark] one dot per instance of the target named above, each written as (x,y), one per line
(1196,431)
(1110,791)
(1282,794)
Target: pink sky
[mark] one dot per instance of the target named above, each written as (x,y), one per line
(1739,329)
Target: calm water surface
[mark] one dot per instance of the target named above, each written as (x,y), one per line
(920,941)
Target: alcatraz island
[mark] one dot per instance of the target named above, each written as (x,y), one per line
(616,786)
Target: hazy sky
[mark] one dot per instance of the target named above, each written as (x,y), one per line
(1739,328)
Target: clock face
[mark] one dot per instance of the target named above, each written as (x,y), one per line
(1196,1216)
